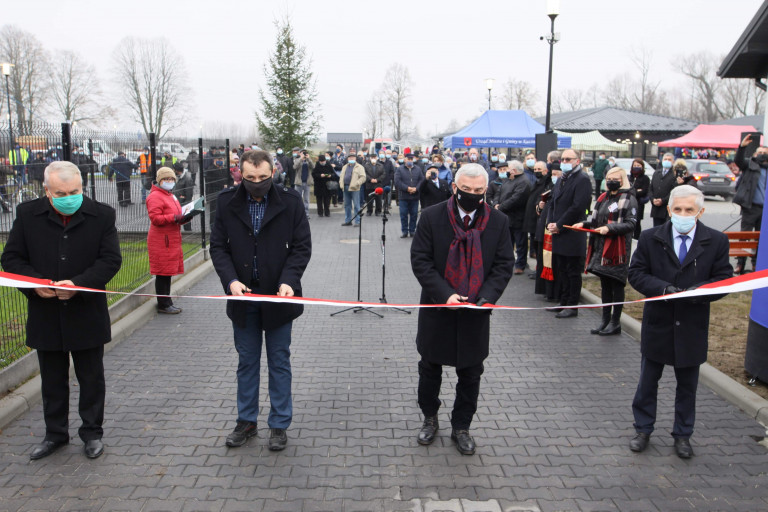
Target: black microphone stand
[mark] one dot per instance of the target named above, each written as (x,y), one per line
(383,298)
(355,309)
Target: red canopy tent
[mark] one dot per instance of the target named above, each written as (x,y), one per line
(710,136)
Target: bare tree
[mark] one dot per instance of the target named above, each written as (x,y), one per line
(570,99)
(397,92)
(701,69)
(742,98)
(373,115)
(152,77)
(645,94)
(520,95)
(618,92)
(75,91)
(27,80)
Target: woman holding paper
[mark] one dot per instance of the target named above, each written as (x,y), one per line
(166,257)
(613,221)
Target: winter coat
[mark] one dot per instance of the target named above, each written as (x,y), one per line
(431,195)
(323,168)
(750,174)
(358,177)
(661,186)
(675,332)
(404,178)
(621,230)
(297,165)
(374,172)
(37,169)
(457,337)
(166,256)
(286,161)
(5,171)
(283,247)
(121,168)
(571,198)
(86,251)
(193,162)
(531,216)
(599,169)
(184,189)
(513,196)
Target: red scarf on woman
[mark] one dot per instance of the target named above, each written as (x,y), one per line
(464,267)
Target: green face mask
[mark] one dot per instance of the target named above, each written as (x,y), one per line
(67,205)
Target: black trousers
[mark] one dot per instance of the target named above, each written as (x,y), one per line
(598,184)
(659,221)
(376,201)
(324,204)
(163,287)
(123,192)
(467,391)
(54,376)
(751,219)
(567,270)
(644,404)
(611,290)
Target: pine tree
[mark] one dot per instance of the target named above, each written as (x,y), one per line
(287,117)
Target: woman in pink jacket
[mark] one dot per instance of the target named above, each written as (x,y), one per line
(166,256)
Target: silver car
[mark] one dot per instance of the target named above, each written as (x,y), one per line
(713,177)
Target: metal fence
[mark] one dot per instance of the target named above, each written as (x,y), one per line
(26,153)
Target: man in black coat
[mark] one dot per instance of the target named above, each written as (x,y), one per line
(452,238)
(513,196)
(375,176)
(433,189)
(120,169)
(261,243)
(70,240)
(679,255)
(570,201)
(286,161)
(750,193)
(662,183)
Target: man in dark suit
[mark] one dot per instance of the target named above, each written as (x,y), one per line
(681,254)
(433,189)
(70,240)
(261,243)
(662,183)
(570,201)
(461,253)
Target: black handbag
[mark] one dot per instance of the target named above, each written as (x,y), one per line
(332,186)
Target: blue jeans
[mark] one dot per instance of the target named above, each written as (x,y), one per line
(351,205)
(248,342)
(408,207)
(520,240)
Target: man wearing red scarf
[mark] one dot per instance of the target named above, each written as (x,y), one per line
(461,253)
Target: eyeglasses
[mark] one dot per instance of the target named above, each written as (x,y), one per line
(568,159)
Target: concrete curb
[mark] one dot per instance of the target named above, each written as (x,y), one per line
(27,395)
(751,403)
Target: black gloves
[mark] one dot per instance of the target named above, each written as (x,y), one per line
(672,289)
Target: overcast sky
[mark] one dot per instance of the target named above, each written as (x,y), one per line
(450,47)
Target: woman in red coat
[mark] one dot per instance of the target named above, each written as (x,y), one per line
(166,256)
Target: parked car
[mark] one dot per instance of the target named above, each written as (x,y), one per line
(713,177)
(102,153)
(174,148)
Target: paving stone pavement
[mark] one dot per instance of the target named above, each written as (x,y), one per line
(552,427)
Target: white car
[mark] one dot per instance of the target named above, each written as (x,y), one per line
(174,148)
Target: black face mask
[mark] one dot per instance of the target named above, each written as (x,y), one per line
(636,170)
(469,202)
(538,174)
(613,186)
(259,189)
(762,160)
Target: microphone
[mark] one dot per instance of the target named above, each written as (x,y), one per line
(387,189)
(379,191)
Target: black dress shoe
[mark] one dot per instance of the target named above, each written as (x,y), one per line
(464,442)
(683,448)
(404,235)
(244,430)
(610,329)
(93,448)
(428,430)
(567,313)
(346,224)
(46,448)
(170,310)
(277,439)
(639,442)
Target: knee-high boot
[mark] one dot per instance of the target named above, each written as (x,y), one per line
(604,322)
(614,327)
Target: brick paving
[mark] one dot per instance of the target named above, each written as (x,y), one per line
(552,428)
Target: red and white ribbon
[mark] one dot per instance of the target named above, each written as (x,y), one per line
(743,283)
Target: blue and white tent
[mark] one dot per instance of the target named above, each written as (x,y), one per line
(501,129)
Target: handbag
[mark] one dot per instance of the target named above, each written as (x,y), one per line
(332,186)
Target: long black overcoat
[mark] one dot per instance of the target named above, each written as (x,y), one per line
(457,337)
(570,201)
(86,251)
(675,332)
(283,248)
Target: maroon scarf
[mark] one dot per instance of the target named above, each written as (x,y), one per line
(464,267)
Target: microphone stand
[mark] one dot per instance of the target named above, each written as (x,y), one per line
(355,309)
(383,298)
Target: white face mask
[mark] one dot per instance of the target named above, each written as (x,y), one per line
(168,185)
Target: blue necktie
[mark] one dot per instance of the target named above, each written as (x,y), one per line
(683,248)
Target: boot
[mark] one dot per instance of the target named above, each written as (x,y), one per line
(614,327)
(604,321)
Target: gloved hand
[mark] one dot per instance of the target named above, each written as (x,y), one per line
(481,301)
(178,219)
(672,289)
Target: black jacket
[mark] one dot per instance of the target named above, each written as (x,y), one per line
(283,248)
(408,177)
(121,168)
(570,201)
(457,337)
(430,195)
(184,188)
(661,186)
(675,332)
(320,184)
(374,172)
(750,174)
(86,251)
(531,217)
(513,196)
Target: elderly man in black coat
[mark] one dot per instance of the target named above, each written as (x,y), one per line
(513,196)
(70,240)
(461,253)
(570,202)
(261,243)
(433,189)
(662,183)
(681,254)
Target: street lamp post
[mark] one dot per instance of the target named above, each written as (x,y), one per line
(7,72)
(553,9)
(489,85)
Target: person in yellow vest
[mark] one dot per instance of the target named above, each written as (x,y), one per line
(145,171)
(17,158)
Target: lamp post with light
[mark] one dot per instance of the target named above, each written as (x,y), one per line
(489,85)
(7,72)
(553,10)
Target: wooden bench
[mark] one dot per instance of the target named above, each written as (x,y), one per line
(743,243)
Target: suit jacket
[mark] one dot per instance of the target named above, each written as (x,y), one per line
(570,201)
(660,189)
(431,195)
(283,248)
(457,337)
(85,251)
(676,332)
